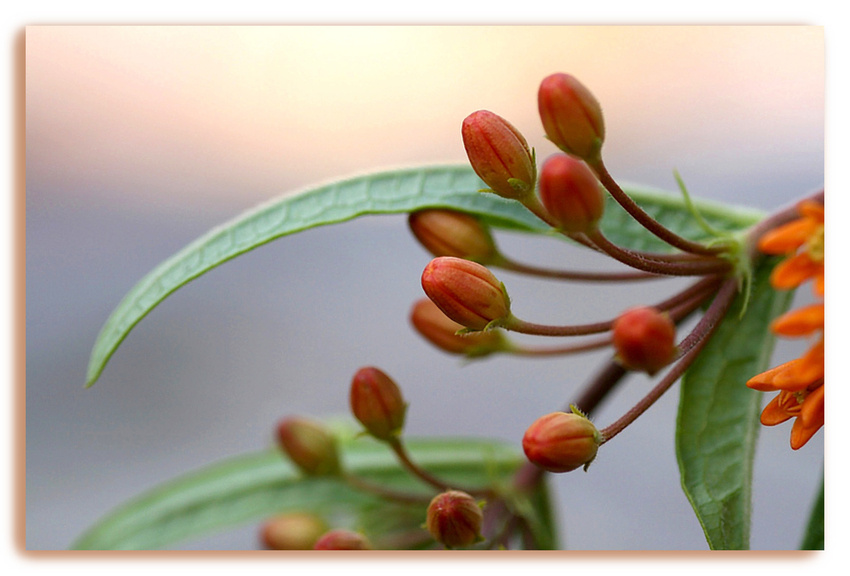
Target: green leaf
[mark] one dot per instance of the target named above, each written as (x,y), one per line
(256,486)
(718,418)
(391,192)
(814,536)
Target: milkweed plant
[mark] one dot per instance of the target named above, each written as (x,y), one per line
(368,486)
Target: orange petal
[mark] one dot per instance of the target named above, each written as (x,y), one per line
(811,367)
(802,433)
(812,411)
(766,381)
(804,372)
(799,322)
(788,237)
(818,284)
(811,209)
(776,411)
(793,271)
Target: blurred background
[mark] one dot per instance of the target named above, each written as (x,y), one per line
(139,139)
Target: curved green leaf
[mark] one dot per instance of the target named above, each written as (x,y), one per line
(718,418)
(814,536)
(391,192)
(256,486)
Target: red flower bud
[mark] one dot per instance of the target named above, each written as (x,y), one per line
(466,292)
(377,403)
(644,339)
(571,115)
(454,519)
(293,532)
(340,539)
(442,332)
(571,194)
(451,233)
(560,442)
(309,445)
(499,154)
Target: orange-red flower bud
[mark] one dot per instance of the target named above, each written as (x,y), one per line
(299,531)
(309,445)
(442,332)
(644,339)
(571,115)
(377,403)
(499,154)
(466,292)
(452,233)
(571,194)
(454,519)
(340,539)
(561,441)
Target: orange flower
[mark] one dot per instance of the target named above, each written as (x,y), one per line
(805,232)
(800,382)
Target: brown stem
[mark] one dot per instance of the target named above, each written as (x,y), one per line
(560,350)
(422,474)
(647,263)
(520,268)
(694,343)
(402,497)
(647,221)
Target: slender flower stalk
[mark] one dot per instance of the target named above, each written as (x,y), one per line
(647,221)
(574,275)
(650,263)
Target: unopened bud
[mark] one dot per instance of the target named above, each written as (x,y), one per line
(298,531)
(340,539)
(466,292)
(309,445)
(561,442)
(377,403)
(454,519)
(571,115)
(571,194)
(644,339)
(442,332)
(499,154)
(452,233)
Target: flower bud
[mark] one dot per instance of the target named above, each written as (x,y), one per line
(466,292)
(293,532)
(442,332)
(499,154)
(340,539)
(452,233)
(561,441)
(571,194)
(454,519)
(377,403)
(571,115)
(644,339)
(309,445)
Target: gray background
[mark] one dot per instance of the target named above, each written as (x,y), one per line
(281,330)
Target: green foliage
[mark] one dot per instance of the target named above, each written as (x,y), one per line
(391,192)
(813,537)
(256,486)
(718,414)
(718,419)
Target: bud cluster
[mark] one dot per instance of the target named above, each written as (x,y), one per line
(468,310)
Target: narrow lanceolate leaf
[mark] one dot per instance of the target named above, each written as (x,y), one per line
(718,419)
(257,486)
(814,535)
(391,192)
